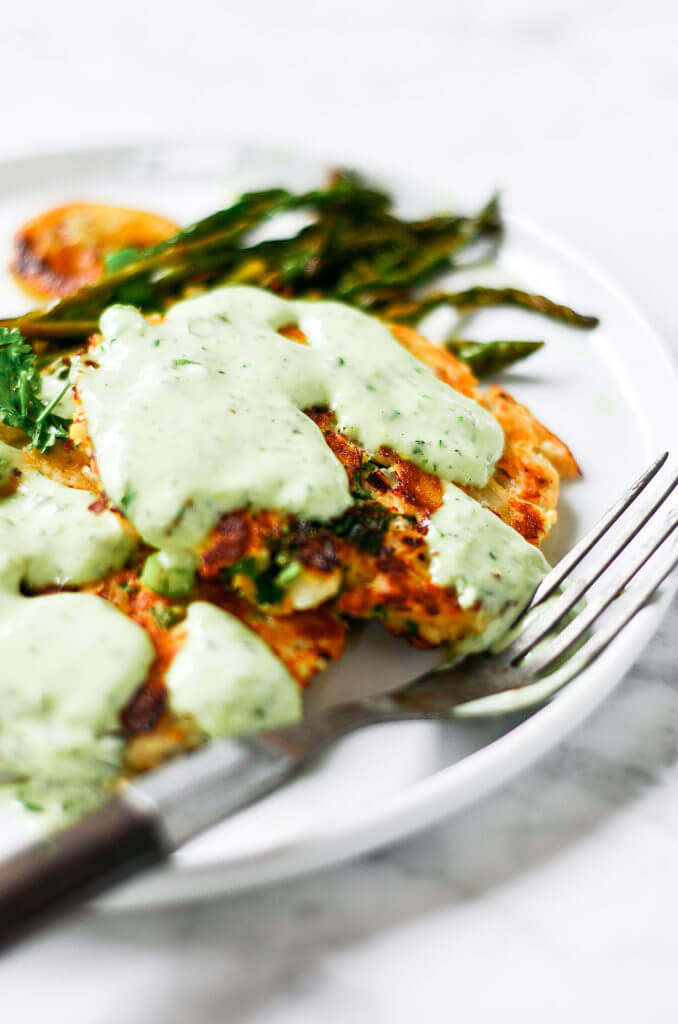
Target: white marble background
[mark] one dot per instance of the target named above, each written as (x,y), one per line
(555,898)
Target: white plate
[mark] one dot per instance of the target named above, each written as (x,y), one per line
(610,393)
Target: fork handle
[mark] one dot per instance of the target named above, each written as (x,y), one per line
(134,831)
(160,812)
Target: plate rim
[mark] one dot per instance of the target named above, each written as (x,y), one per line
(425,801)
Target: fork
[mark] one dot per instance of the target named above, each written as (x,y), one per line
(552,642)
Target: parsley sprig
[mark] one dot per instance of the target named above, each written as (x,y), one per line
(20,386)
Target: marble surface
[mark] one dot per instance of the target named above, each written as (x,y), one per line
(556,897)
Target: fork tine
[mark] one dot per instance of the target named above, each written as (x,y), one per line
(565,602)
(528,695)
(567,563)
(595,647)
(560,644)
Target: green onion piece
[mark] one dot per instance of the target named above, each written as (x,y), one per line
(289,573)
(170,574)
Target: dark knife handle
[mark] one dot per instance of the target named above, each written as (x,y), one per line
(56,875)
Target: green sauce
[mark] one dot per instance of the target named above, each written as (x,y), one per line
(487,562)
(202,414)
(69,662)
(227,678)
(59,539)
